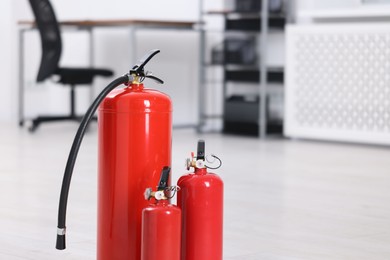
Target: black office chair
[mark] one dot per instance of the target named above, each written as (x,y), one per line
(49,31)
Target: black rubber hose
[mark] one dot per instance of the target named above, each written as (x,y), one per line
(60,244)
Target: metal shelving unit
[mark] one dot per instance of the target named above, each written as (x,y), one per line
(243,116)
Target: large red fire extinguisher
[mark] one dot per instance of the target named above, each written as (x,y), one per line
(134,134)
(201,200)
(161,223)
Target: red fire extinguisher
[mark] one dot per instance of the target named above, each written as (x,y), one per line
(161,223)
(134,135)
(201,200)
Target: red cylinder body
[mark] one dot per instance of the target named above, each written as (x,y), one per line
(134,144)
(161,232)
(201,200)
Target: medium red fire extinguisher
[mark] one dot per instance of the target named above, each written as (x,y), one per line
(134,135)
(161,223)
(201,200)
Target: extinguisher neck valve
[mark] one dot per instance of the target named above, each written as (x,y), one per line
(196,164)
(199,164)
(148,193)
(137,80)
(138,71)
(130,78)
(160,195)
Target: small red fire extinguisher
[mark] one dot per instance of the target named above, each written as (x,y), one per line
(161,223)
(134,135)
(201,200)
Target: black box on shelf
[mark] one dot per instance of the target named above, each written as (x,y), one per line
(243,75)
(253,24)
(247,5)
(243,24)
(241,116)
(235,51)
(244,109)
(275,75)
(274,6)
(251,129)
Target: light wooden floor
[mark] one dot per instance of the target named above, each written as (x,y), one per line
(284,199)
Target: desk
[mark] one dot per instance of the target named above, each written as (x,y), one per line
(89,25)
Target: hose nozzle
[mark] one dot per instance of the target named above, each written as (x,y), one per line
(60,243)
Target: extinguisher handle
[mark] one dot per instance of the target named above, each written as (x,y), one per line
(201,150)
(163,183)
(139,67)
(155,79)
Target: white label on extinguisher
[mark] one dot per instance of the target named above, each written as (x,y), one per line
(199,164)
(159,195)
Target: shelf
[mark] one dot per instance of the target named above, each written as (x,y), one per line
(273,76)
(245,113)
(242,13)
(253,24)
(251,129)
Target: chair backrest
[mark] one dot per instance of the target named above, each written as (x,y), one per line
(49,31)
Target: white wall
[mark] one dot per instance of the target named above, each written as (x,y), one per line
(328,4)
(176,64)
(120,9)
(9,82)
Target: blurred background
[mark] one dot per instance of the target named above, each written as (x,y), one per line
(294,95)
